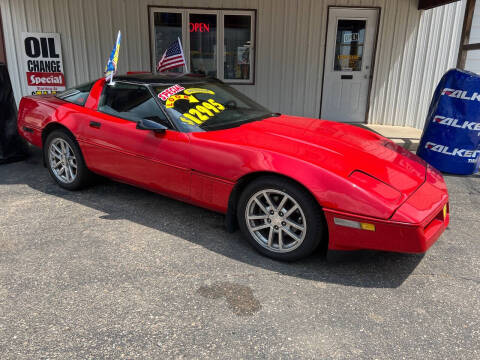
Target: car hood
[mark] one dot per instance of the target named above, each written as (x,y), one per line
(336,147)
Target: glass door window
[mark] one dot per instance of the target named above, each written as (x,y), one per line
(349,45)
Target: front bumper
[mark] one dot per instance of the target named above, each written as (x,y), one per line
(413,228)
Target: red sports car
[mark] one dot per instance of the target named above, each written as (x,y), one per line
(290,183)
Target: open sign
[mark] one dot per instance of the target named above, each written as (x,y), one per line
(349,37)
(199,27)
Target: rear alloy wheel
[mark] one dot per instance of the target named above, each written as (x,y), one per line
(65,161)
(280,219)
(62,161)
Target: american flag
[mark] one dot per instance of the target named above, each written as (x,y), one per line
(172,57)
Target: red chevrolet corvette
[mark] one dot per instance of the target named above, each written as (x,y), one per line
(291,184)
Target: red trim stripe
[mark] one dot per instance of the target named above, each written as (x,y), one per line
(163,68)
(174,64)
(171,60)
(170,63)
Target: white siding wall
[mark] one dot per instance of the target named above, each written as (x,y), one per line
(414,48)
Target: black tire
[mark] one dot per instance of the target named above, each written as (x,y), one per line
(311,211)
(83,176)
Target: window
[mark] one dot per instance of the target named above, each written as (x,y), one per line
(168,28)
(203,44)
(131,102)
(237,44)
(469,54)
(218,43)
(349,45)
(77,95)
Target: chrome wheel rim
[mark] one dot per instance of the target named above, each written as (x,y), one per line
(276,220)
(63,162)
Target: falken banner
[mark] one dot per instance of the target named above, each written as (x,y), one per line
(451,137)
(42,56)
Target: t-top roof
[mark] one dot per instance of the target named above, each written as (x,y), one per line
(171,78)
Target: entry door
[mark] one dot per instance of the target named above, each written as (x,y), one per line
(351,38)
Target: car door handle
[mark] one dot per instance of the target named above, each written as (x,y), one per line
(95,124)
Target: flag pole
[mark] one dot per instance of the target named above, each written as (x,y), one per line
(183,55)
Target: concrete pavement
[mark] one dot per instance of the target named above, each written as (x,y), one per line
(116,272)
(405,136)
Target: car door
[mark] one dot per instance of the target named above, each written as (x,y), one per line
(114,147)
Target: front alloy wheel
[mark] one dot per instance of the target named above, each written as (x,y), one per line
(280,218)
(276,220)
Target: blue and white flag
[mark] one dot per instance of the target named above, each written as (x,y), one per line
(111,68)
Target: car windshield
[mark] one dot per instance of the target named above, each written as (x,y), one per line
(206,106)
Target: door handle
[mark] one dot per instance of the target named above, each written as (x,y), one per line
(95,124)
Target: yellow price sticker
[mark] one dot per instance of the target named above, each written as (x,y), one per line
(202,112)
(170,103)
(198,91)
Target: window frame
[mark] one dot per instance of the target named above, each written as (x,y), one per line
(465,45)
(185,12)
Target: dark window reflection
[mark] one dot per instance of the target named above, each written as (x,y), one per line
(237,47)
(203,44)
(168,27)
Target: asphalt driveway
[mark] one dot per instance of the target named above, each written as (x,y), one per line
(118,272)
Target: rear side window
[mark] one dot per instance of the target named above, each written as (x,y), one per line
(77,95)
(131,102)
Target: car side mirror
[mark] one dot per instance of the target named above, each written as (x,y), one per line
(146,124)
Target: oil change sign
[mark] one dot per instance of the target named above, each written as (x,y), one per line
(42,54)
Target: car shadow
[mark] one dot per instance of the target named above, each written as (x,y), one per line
(371,269)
